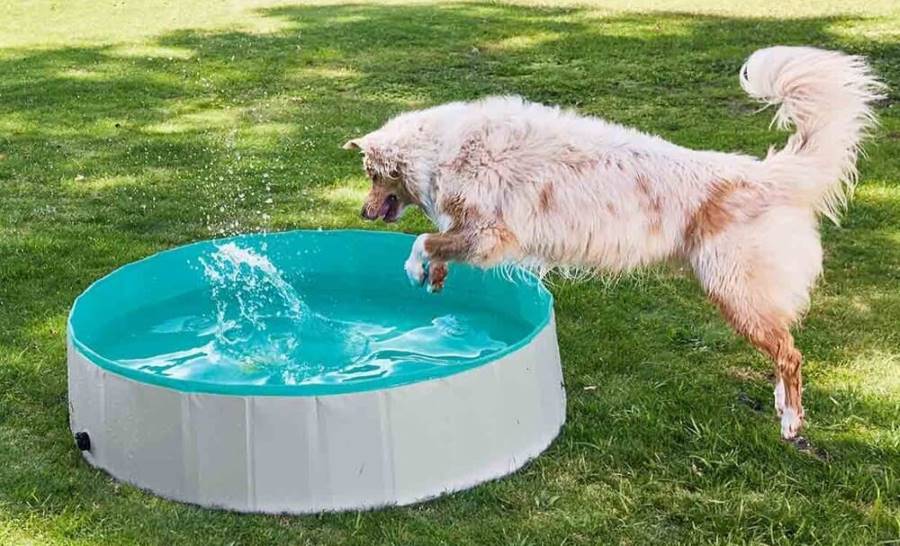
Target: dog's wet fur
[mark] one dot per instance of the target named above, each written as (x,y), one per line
(507,181)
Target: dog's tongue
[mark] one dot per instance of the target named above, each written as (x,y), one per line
(385,208)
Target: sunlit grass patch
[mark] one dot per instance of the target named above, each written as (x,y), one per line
(521,42)
(200,120)
(147,51)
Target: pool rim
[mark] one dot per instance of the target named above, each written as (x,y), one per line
(314,389)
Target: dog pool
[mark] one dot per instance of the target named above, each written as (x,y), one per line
(300,372)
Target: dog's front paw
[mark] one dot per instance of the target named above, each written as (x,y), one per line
(416,264)
(415,271)
(437,274)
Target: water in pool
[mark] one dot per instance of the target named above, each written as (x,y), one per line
(254,324)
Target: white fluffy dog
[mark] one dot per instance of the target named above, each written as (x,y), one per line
(508,181)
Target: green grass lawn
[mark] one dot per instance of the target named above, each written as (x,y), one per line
(127,129)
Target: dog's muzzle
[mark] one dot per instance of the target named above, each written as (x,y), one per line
(389,210)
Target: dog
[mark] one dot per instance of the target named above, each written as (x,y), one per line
(508,181)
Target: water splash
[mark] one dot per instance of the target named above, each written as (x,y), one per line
(252,326)
(248,290)
(261,321)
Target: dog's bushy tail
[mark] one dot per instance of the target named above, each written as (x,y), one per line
(827,96)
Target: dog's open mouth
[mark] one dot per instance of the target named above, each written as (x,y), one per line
(390,209)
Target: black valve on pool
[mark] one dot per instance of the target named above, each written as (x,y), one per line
(83,441)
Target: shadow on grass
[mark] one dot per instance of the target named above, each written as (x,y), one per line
(110,153)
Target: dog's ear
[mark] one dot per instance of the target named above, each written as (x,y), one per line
(355,144)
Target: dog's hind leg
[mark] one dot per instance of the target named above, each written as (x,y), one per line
(771,334)
(759,275)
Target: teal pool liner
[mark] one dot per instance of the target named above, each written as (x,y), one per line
(348,264)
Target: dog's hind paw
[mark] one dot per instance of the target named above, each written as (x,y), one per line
(791,421)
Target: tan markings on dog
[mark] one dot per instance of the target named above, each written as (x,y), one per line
(377,195)
(767,332)
(454,207)
(714,215)
(545,199)
(643,185)
(770,333)
(577,161)
(437,275)
(494,244)
(448,246)
(407,193)
(461,214)
(470,237)
(651,203)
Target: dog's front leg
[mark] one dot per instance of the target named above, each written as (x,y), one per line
(482,246)
(427,262)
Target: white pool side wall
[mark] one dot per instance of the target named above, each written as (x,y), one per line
(304,454)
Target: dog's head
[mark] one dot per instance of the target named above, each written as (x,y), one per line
(391,190)
(401,160)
